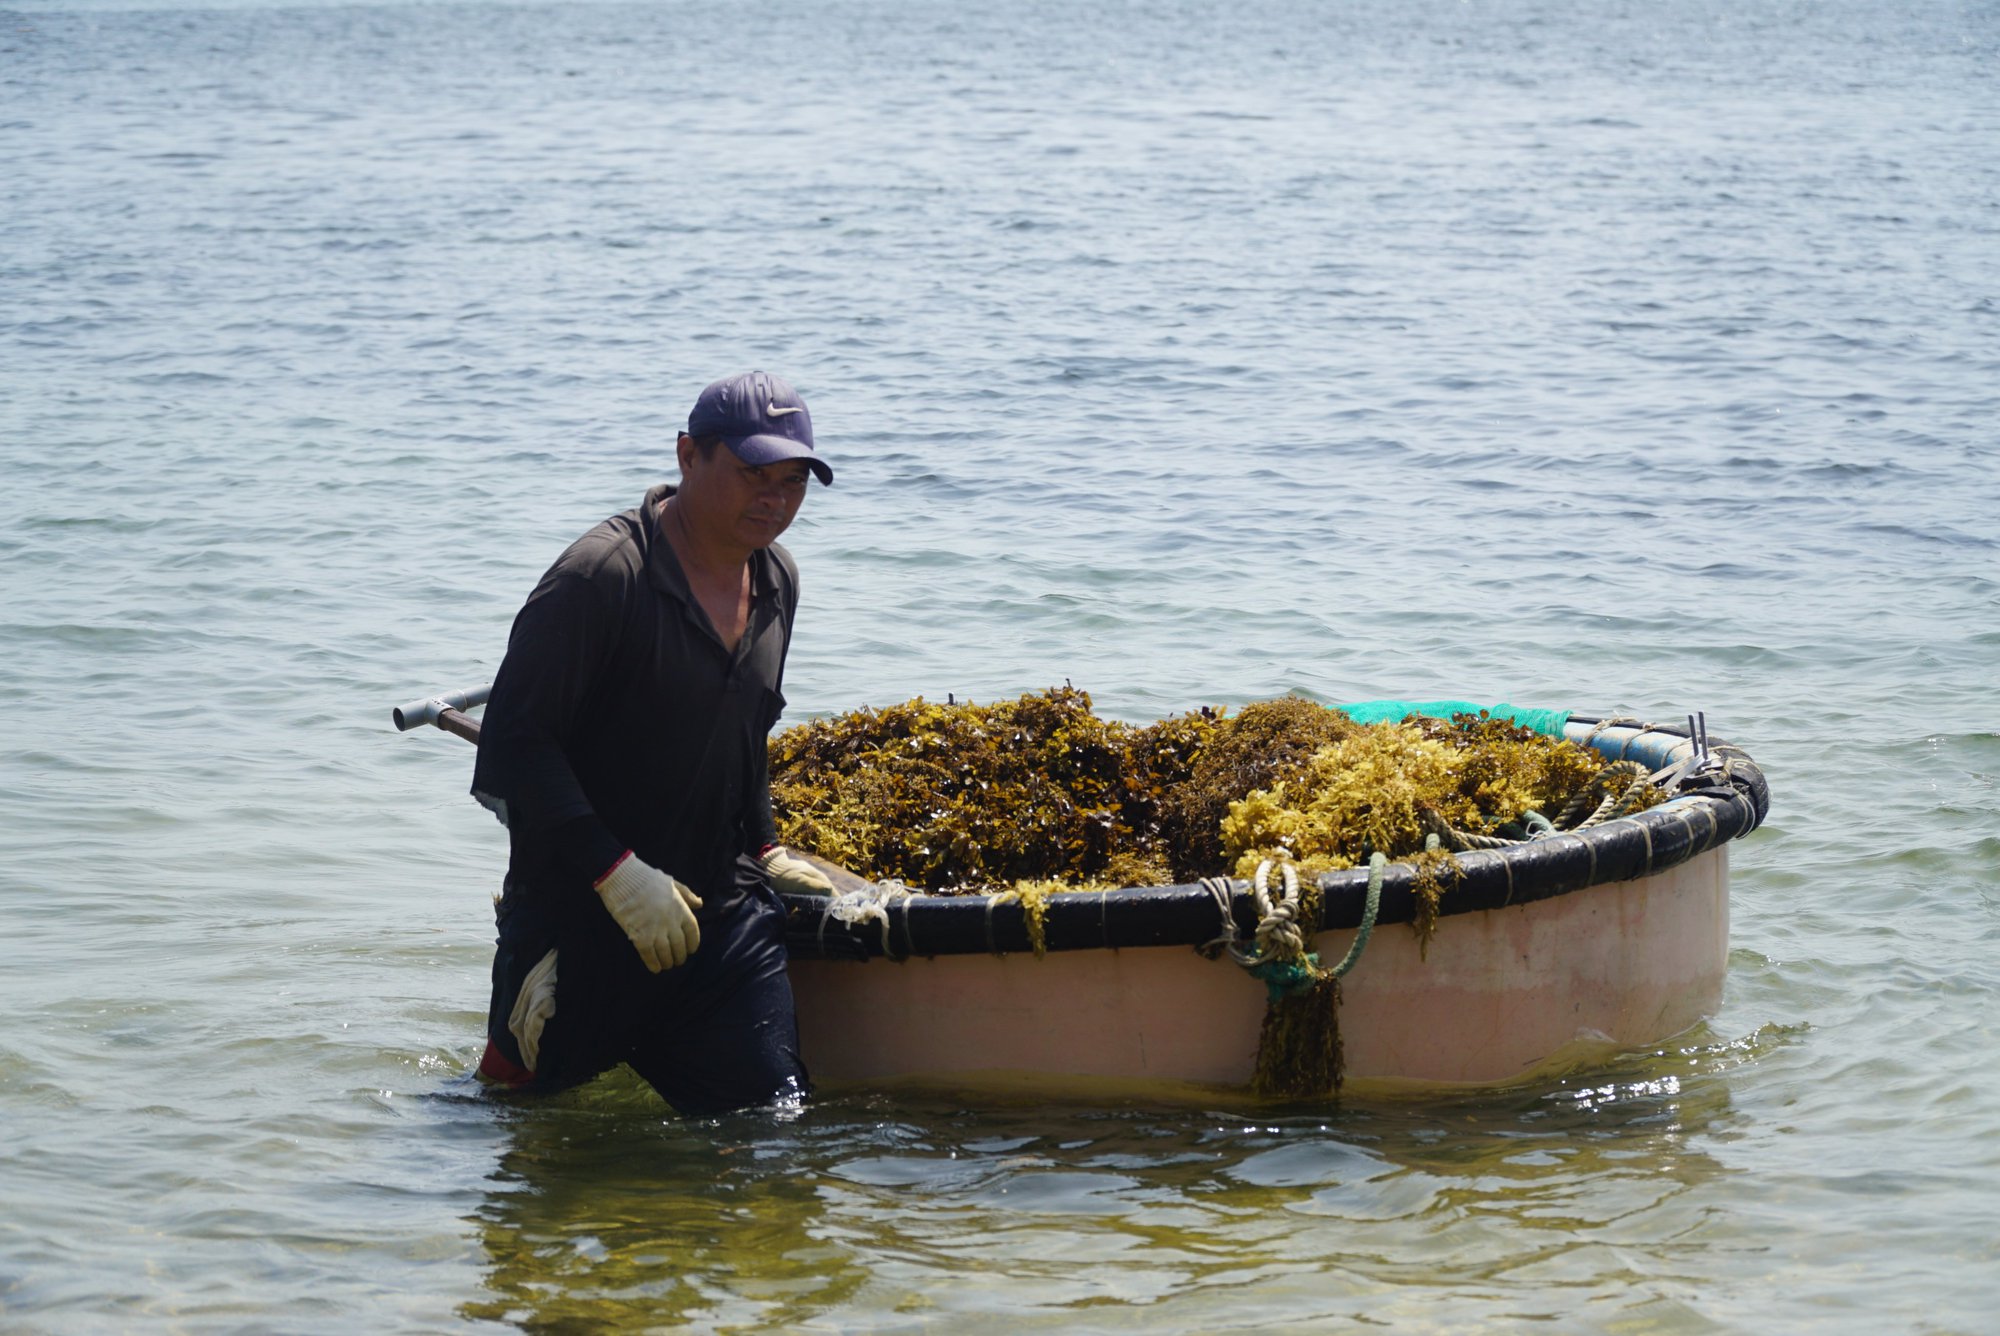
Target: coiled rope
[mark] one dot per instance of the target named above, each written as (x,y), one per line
(1619,789)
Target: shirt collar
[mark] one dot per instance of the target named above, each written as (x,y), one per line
(663,568)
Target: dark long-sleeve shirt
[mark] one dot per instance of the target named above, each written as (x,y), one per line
(618,719)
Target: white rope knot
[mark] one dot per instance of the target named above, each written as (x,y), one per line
(1279,936)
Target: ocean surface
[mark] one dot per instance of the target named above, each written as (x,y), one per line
(1629,357)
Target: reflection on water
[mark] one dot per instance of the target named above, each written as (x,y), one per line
(604,1210)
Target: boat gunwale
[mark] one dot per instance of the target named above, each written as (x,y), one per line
(1732,804)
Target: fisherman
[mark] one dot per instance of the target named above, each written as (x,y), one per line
(623,747)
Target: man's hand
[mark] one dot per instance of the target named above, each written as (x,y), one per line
(533,1006)
(655,911)
(786,871)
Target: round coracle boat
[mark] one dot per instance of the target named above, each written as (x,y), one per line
(1582,942)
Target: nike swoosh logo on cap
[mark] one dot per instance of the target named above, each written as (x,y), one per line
(775,411)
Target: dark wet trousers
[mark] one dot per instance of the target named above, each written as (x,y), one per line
(717,1032)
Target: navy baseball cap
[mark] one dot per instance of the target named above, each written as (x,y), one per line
(761,419)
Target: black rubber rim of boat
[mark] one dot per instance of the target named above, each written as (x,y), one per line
(1658,839)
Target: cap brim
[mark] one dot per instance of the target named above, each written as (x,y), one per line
(762,450)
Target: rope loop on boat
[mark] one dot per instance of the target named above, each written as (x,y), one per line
(1224,891)
(993,902)
(1615,721)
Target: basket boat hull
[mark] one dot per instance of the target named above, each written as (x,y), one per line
(1612,938)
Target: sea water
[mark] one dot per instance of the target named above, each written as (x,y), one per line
(1628,357)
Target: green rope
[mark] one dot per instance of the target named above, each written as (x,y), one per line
(1377,861)
(1287,978)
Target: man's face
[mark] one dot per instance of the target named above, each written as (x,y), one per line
(746,504)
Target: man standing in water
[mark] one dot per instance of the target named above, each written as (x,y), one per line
(623,747)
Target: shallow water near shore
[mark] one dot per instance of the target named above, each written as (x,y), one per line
(1634,359)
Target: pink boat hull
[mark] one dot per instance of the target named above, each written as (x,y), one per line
(1499,994)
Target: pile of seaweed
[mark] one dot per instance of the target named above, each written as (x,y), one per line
(1039,791)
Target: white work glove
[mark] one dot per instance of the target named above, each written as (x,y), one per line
(786,871)
(655,911)
(533,1006)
